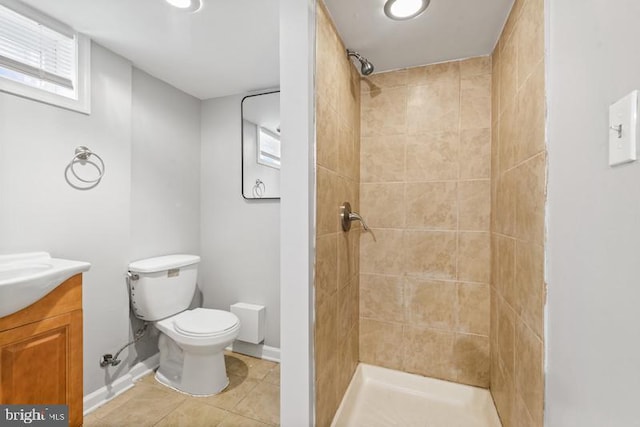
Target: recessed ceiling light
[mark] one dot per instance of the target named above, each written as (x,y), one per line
(401,10)
(188,5)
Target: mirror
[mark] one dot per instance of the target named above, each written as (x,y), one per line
(261,146)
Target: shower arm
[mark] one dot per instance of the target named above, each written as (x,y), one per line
(355,54)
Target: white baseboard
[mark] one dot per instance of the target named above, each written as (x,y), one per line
(260,351)
(93,401)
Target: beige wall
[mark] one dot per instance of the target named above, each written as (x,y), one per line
(518,183)
(425,191)
(336,269)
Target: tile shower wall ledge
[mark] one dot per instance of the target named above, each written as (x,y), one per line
(94,400)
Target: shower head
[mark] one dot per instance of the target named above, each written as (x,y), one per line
(366,67)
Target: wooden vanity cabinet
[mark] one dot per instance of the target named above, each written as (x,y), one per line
(41,351)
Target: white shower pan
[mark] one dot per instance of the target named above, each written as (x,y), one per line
(383,397)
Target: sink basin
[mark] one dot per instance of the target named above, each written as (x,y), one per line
(26,278)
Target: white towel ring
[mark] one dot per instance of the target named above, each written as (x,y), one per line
(83,154)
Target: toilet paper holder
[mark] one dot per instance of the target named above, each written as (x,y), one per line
(347,216)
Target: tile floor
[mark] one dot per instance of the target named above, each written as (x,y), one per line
(252,399)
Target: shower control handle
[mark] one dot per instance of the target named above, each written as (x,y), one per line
(346,216)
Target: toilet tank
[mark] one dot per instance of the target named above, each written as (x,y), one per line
(162,286)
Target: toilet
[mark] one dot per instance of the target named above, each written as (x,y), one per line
(192,341)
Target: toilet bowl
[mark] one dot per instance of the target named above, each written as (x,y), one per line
(192,347)
(192,341)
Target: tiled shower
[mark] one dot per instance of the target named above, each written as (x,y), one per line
(449,172)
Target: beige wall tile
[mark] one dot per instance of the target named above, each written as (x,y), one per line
(326,334)
(347,311)
(476,86)
(471,358)
(338,119)
(326,135)
(520,414)
(475,153)
(506,194)
(512,19)
(348,256)
(423,245)
(326,280)
(473,308)
(347,190)
(474,199)
(444,74)
(518,194)
(381,343)
(348,163)
(508,136)
(495,166)
(379,81)
(432,156)
(430,253)
(475,104)
(508,73)
(429,352)
(475,66)
(431,303)
(382,297)
(327,399)
(474,257)
(530,38)
(348,90)
(383,158)
(530,285)
(503,390)
(530,199)
(531,116)
(493,325)
(430,205)
(529,375)
(506,337)
(327,209)
(382,205)
(326,60)
(495,84)
(347,359)
(385,255)
(384,113)
(433,107)
(505,273)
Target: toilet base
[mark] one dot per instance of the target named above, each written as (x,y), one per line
(196,374)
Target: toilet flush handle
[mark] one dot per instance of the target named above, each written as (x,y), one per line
(346,216)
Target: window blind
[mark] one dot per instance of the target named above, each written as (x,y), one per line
(34,49)
(268,148)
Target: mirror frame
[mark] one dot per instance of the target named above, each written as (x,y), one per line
(269,92)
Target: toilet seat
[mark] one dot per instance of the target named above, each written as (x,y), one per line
(204,322)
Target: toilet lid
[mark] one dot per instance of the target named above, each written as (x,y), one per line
(205,322)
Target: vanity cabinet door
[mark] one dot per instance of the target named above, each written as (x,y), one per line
(40,364)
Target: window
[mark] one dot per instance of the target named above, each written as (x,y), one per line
(43,59)
(268,148)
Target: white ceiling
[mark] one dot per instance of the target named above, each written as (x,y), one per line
(228,47)
(231,46)
(447,30)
